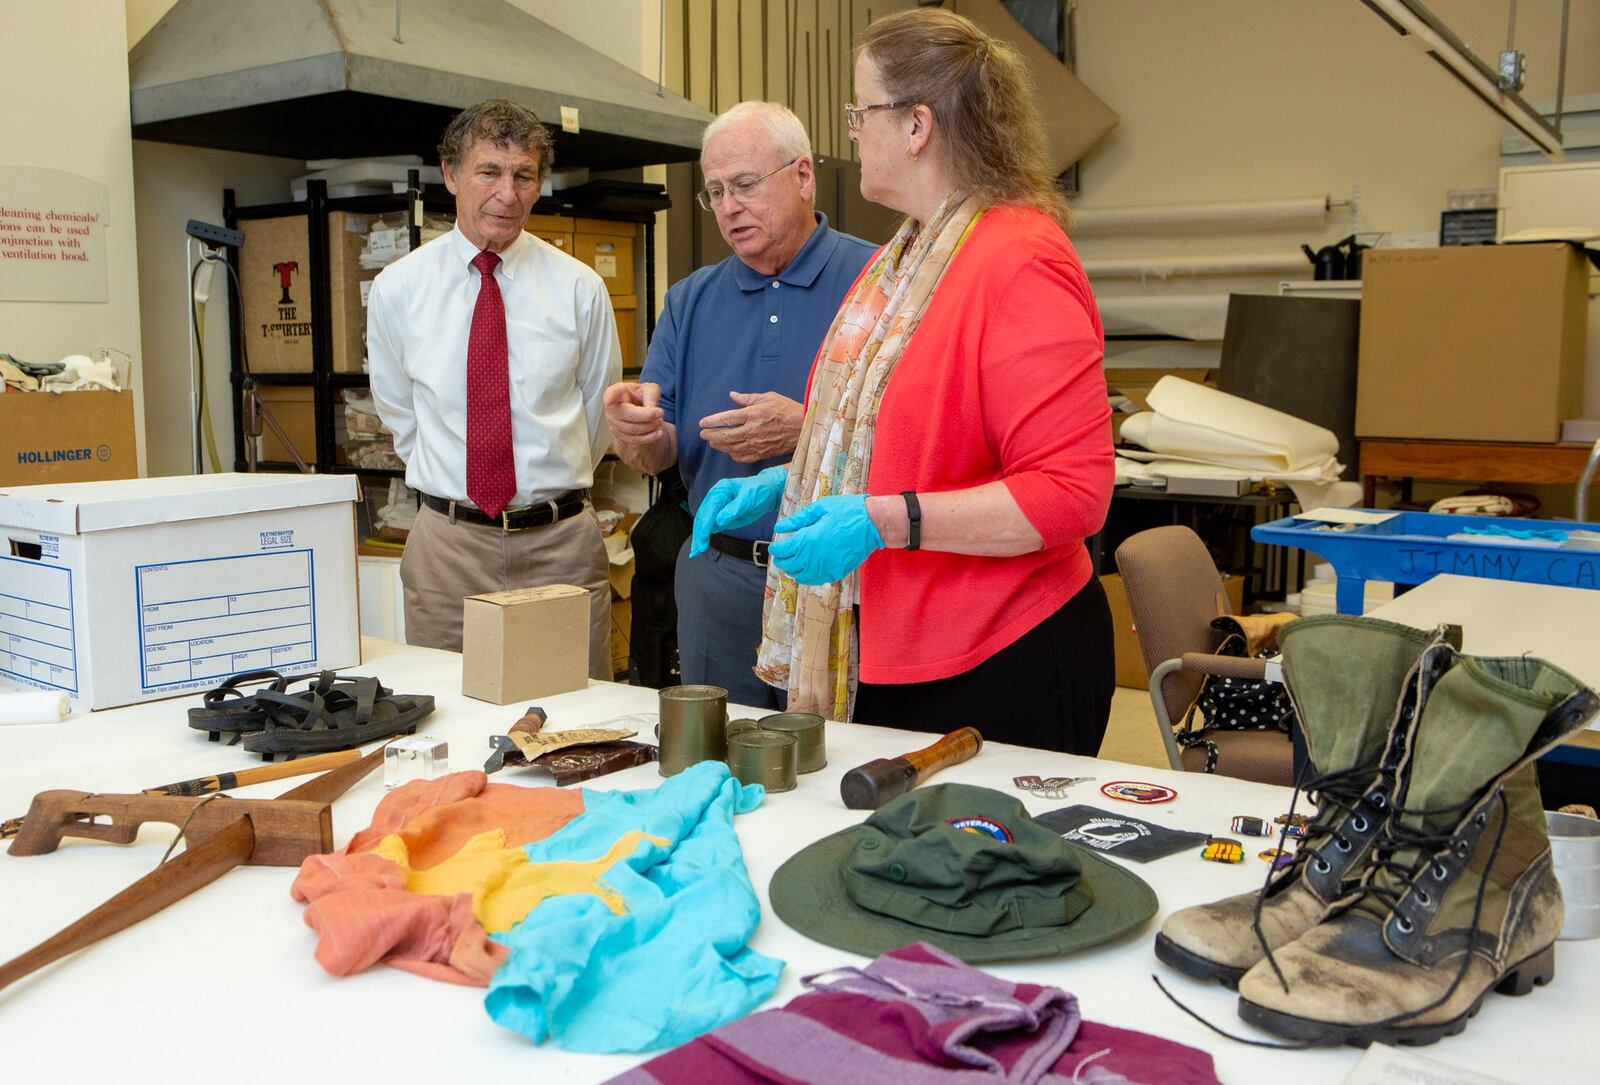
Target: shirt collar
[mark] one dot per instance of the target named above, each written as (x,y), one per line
(802,270)
(510,260)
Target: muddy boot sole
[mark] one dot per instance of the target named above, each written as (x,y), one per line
(1534,971)
(1196,967)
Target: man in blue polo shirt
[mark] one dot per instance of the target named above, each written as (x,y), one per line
(722,386)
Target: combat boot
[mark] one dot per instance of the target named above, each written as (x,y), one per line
(1356,685)
(1460,896)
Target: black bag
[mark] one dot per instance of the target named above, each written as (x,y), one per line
(657,538)
(1236,704)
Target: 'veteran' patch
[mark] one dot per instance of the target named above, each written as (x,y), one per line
(983,827)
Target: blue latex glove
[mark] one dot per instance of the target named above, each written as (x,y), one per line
(831,536)
(735,502)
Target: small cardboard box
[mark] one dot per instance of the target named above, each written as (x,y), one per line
(528,642)
(130,591)
(1472,343)
(275,277)
(1131,670)
(71,437)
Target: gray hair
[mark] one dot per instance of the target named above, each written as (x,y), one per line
(503,123)
(784,131)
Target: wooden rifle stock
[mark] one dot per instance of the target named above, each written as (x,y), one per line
(869,786)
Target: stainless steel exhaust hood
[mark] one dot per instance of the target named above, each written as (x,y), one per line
(349,78)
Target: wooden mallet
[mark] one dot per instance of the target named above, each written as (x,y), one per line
(869,786)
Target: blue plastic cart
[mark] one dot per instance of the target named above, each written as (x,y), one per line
(1412,547)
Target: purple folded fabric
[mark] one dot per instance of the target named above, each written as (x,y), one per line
(918,1016)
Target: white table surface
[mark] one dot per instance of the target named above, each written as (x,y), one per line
(1510,618)
(224,983)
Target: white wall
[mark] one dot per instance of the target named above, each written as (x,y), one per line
(172,185)
(67,109)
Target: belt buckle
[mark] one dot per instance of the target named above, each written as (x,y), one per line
(505,522)
(758,552)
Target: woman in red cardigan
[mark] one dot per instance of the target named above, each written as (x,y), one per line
(929,569)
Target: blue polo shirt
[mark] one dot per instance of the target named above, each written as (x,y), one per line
(728,328)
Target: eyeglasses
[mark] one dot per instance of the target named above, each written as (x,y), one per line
(855,115)
(711,196)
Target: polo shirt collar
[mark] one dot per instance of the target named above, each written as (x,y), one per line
(802,270)
(510,260)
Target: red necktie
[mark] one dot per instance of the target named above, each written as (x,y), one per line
(491,465)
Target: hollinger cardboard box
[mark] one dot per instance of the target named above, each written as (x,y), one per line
(70,437)
(527,642)
(121,592)
(1472,343)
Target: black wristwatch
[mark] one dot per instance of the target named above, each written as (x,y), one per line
(914,520)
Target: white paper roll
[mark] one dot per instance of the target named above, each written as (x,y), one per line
(41,707)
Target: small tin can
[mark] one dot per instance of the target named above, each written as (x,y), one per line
(739,727)
(694,722)
(768,758)
(807,728)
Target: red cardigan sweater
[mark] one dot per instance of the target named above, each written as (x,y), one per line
(1002,380)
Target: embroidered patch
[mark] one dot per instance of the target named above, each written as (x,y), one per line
(1222,850)
(982,826)
(1133,791)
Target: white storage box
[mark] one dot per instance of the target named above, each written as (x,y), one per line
(134,590)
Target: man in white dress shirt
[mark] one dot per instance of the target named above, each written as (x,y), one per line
(489,353)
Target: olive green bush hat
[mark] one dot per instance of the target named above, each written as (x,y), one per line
(964,868)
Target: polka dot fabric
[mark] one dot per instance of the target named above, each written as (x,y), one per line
(491,467)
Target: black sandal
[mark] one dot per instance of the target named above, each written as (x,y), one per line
(334,713)
(229,709)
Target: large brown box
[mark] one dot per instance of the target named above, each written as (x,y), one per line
(528,642)
(1472,343)
(1131,670)
(294,409)
(71,437)
(608,248)
(556,229)
(275,276)
(626,308)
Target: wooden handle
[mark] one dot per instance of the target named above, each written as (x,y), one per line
(172,881)
(286,830)
(869,786)
(281,770)
(330,785)
(952,749)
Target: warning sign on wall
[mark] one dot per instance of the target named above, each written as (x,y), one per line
(52,236)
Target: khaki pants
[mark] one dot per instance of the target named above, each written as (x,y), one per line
(444,563)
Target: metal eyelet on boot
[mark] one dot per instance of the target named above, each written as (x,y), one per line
(1341,843)
(1379,801)
(1321,865)
(1359,824)
(1440,872)
(1481,820)
(1404,925)
(1423,898)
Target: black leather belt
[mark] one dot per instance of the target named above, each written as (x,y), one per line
(568,504)
(754,551)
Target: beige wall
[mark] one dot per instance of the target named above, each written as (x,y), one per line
(67,109)
(172,185)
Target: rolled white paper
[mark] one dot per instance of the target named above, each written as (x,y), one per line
(41,707)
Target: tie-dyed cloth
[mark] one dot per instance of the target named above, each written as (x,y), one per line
(611,921)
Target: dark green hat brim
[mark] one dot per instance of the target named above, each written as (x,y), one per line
(808,894)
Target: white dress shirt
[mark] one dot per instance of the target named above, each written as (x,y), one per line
(561,337)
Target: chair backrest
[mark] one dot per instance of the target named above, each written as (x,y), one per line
(1174,591)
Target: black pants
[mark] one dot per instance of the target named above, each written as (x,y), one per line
(1051,689)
